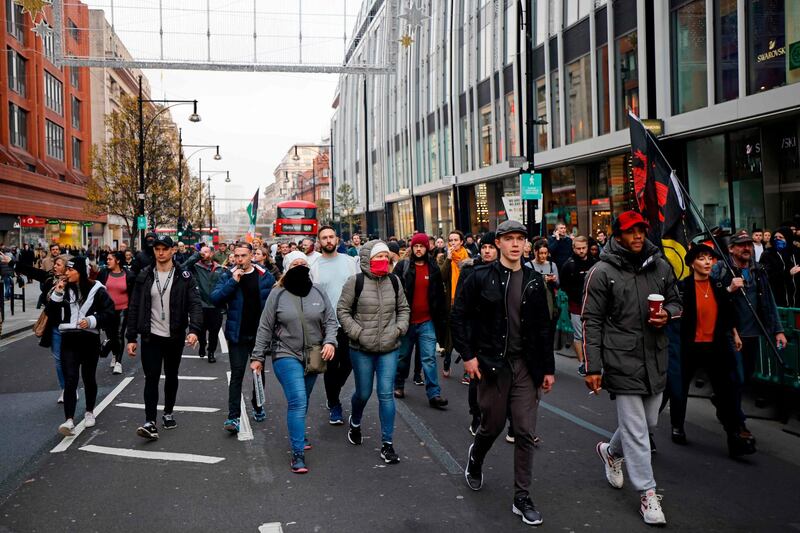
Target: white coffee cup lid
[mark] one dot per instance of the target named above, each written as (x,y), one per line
(655,298)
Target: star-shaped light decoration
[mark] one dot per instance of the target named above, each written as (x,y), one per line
(406,40)
(42,29)
(413,15)
(34,7)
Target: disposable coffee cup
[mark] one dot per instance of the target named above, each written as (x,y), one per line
(656,304)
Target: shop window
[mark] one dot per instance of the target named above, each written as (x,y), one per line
(726,44)
(486,135)
(627,78)
(603,107)
(578,100)
(689,77)
(512,143)
(708,185)
(781,152)
(768,59)
(555,108)
(745,171)
(599,200)
(541,114)
(562,204)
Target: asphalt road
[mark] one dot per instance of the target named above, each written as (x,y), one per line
(221,483)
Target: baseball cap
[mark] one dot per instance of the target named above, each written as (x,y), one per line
(510,226)
(163,240)
(740,237)
(627,220)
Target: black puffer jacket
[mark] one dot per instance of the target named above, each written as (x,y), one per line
(185,308)
(778,264)
(480,323)
(406,271)
(616,336)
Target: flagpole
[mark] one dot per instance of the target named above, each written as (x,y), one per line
(723,254)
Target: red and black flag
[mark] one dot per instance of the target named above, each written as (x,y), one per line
(661,198)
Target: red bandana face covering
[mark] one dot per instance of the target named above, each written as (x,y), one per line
(379,267)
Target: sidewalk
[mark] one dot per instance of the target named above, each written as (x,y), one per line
(21,321)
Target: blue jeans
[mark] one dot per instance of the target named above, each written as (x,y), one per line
(366,366)
(55,349)
(297,388)
(423,338)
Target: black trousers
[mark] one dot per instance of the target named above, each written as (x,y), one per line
(239,357)
(339,369)
(116,333)
(158,351)
(212,322)
(80,351)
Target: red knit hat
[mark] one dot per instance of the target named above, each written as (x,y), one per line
(420,238)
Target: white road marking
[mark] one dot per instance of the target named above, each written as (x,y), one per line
(194,378)
(66,441)
(18,336)
(245,431)
(185,356)
(270,527)
(181,408)
(223,342)
(157,456)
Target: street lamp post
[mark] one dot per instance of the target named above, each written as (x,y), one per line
(211,174)
(194,117)
(200,148)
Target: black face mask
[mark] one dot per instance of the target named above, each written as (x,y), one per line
(297,280)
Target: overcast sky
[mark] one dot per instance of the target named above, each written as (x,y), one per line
(254,117)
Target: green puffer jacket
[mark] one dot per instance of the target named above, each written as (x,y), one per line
(206,276)
(380,319)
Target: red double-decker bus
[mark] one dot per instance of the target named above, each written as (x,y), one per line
(295,217)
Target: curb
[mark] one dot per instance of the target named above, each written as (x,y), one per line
(13,330)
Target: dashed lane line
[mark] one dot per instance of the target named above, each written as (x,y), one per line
(180,408)
(66,441)
(576,420)
(270,527)
(245,431)
(155,456)
(194,378)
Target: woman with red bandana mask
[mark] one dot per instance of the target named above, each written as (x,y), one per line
(374,313)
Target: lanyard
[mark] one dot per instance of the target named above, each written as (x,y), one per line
(162,292)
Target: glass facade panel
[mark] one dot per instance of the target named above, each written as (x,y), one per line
(726,37)
(708,184)
(512,145)
(603,107)
(433,154)
(781,170)
(689,78)
(486,135)
(541,22)
(500,132)
(745,171)
(773,44)
(562,205)
(579,100)
(466,135)
(555,108)
(485,42)
(627,78)
(541,114)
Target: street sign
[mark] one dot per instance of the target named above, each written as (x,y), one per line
(448,180)
(141,222)
(516,161)
(530,186)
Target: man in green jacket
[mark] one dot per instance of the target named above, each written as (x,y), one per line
(221,254)
(206,274)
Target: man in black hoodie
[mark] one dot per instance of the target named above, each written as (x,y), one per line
(573,274)
(144,257)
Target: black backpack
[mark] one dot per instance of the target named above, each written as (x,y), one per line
(360,287)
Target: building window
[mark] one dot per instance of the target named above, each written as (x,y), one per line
(541,114)
(603,108)
(49,45)
(17,72)
(486,135)
(499,130)
(511,125)
(575,10)
(75,77)
(485,42)
(689,78)
(512,30)
(708,185)
(54,140)
(53,93)
(15,23)
(772,62)
(76,113)
(466,137)
(76,153)
(627,78)
(18,125)
(73,29)
(433,156)
(541,23)
(555,108)
(726,44)
(554,24)
(579,100)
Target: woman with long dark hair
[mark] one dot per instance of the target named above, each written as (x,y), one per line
(79,308)
(119,286)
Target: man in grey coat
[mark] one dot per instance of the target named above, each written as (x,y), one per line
(629,346)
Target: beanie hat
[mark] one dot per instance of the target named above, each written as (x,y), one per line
(377,248)
(394,247)
(80,264)
(420,238)
(488,238)
(291,257)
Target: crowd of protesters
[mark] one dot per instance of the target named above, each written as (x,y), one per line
(384,310)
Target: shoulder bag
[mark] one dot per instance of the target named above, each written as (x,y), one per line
(312,353)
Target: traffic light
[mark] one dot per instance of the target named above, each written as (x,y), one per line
(180,228)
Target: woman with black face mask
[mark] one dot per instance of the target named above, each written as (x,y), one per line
(297,319)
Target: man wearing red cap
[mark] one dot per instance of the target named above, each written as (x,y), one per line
(625,341)
(422,282)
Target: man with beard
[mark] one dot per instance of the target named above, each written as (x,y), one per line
(330,271)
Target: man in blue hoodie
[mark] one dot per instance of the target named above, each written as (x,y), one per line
(244,289)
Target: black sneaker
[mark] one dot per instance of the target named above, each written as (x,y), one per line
(418,381)
(473,473)
(168,421)
(201,353)
(524,507)
(354,433)
(679,436)
(148,430)
(437,402)
(474,425)
(211,358)
(388,454)
(653,448)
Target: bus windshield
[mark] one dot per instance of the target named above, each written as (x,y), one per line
(297,213)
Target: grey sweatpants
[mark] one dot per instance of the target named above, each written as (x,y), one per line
(636,415)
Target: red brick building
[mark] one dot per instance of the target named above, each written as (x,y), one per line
(45,131)
(314,185)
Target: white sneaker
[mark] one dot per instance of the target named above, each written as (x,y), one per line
(117,368)
(61,397)
(89,420)
(612,464)
(67,428)
(651,508)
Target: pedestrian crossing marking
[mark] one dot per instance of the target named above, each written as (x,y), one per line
(181,408)
(155,456)
(270,527)
(194,378)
